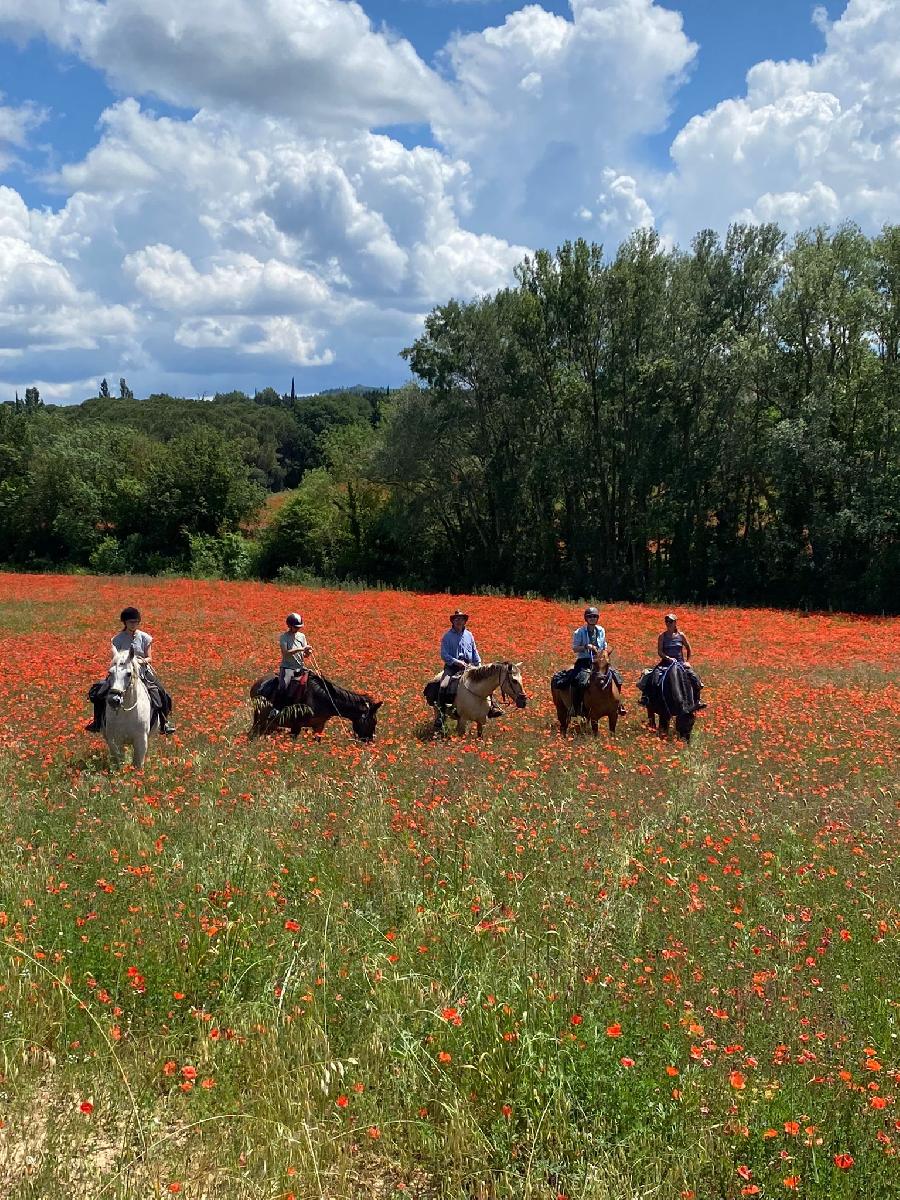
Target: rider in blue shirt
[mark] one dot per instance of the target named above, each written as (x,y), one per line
(588,639)
(458,651)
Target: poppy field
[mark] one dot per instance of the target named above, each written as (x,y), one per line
(526,967)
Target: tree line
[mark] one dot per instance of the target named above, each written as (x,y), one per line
(719,423)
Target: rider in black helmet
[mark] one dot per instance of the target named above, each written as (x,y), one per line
(130,636)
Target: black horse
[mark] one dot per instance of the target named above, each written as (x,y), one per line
(669,693)
(321,701)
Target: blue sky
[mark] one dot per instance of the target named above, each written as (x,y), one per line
(231,192)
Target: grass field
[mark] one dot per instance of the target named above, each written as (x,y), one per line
(596,969)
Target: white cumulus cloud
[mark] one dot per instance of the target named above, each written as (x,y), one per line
(551,102)
(318,62)
(809,142)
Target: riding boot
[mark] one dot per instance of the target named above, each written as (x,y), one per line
(96,725)
(494,709)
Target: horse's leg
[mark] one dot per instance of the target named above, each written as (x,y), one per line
(462,724)
(316,724)
(595,726)
(479,725)
(115,752)
(613,719)
(562,714)
(139,750)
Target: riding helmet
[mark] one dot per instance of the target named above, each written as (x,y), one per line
(294,619)
(129,614)
(590,611)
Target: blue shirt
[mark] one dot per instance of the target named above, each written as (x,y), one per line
(459,645)
(586,636)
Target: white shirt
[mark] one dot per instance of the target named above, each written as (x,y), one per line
(140,640)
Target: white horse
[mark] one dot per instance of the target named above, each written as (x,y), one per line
(472,700)
(128,708)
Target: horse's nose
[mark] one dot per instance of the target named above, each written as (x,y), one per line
(113,699)
(521,701)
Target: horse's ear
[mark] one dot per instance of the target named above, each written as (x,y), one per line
(375,705)
(517,666)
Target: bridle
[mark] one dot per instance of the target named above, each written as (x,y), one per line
(506,681)
(133,682)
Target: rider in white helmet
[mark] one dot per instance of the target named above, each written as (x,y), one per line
(295,649)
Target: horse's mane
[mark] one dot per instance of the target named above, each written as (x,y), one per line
(341,695)
(479,673)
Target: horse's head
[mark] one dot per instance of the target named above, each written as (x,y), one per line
(601,661)
(122,675)
(511,683)
(364,723)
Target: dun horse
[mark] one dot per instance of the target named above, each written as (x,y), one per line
(472,700)
(601,696)
(128,709)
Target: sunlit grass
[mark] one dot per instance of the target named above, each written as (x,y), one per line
(529,968)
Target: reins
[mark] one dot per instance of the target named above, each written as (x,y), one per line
(135,680)
(324,683)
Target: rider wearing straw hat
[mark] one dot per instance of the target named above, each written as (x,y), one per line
(458,651)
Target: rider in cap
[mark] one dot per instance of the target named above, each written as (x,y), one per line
(673,646)
(589,639)
(131,636)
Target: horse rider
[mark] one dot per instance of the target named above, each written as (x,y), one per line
(132,637)
(673,646)
(458,651)
(295,649)
(589,639)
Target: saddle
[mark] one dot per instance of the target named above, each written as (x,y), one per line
(435,693)
(270,689)
(563,679)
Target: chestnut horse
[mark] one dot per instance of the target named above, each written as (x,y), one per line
(601,696)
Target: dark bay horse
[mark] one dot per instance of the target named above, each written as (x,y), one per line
(326,699)
(669,693)
(601,696)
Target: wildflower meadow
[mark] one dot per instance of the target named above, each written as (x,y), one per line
(594,969)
